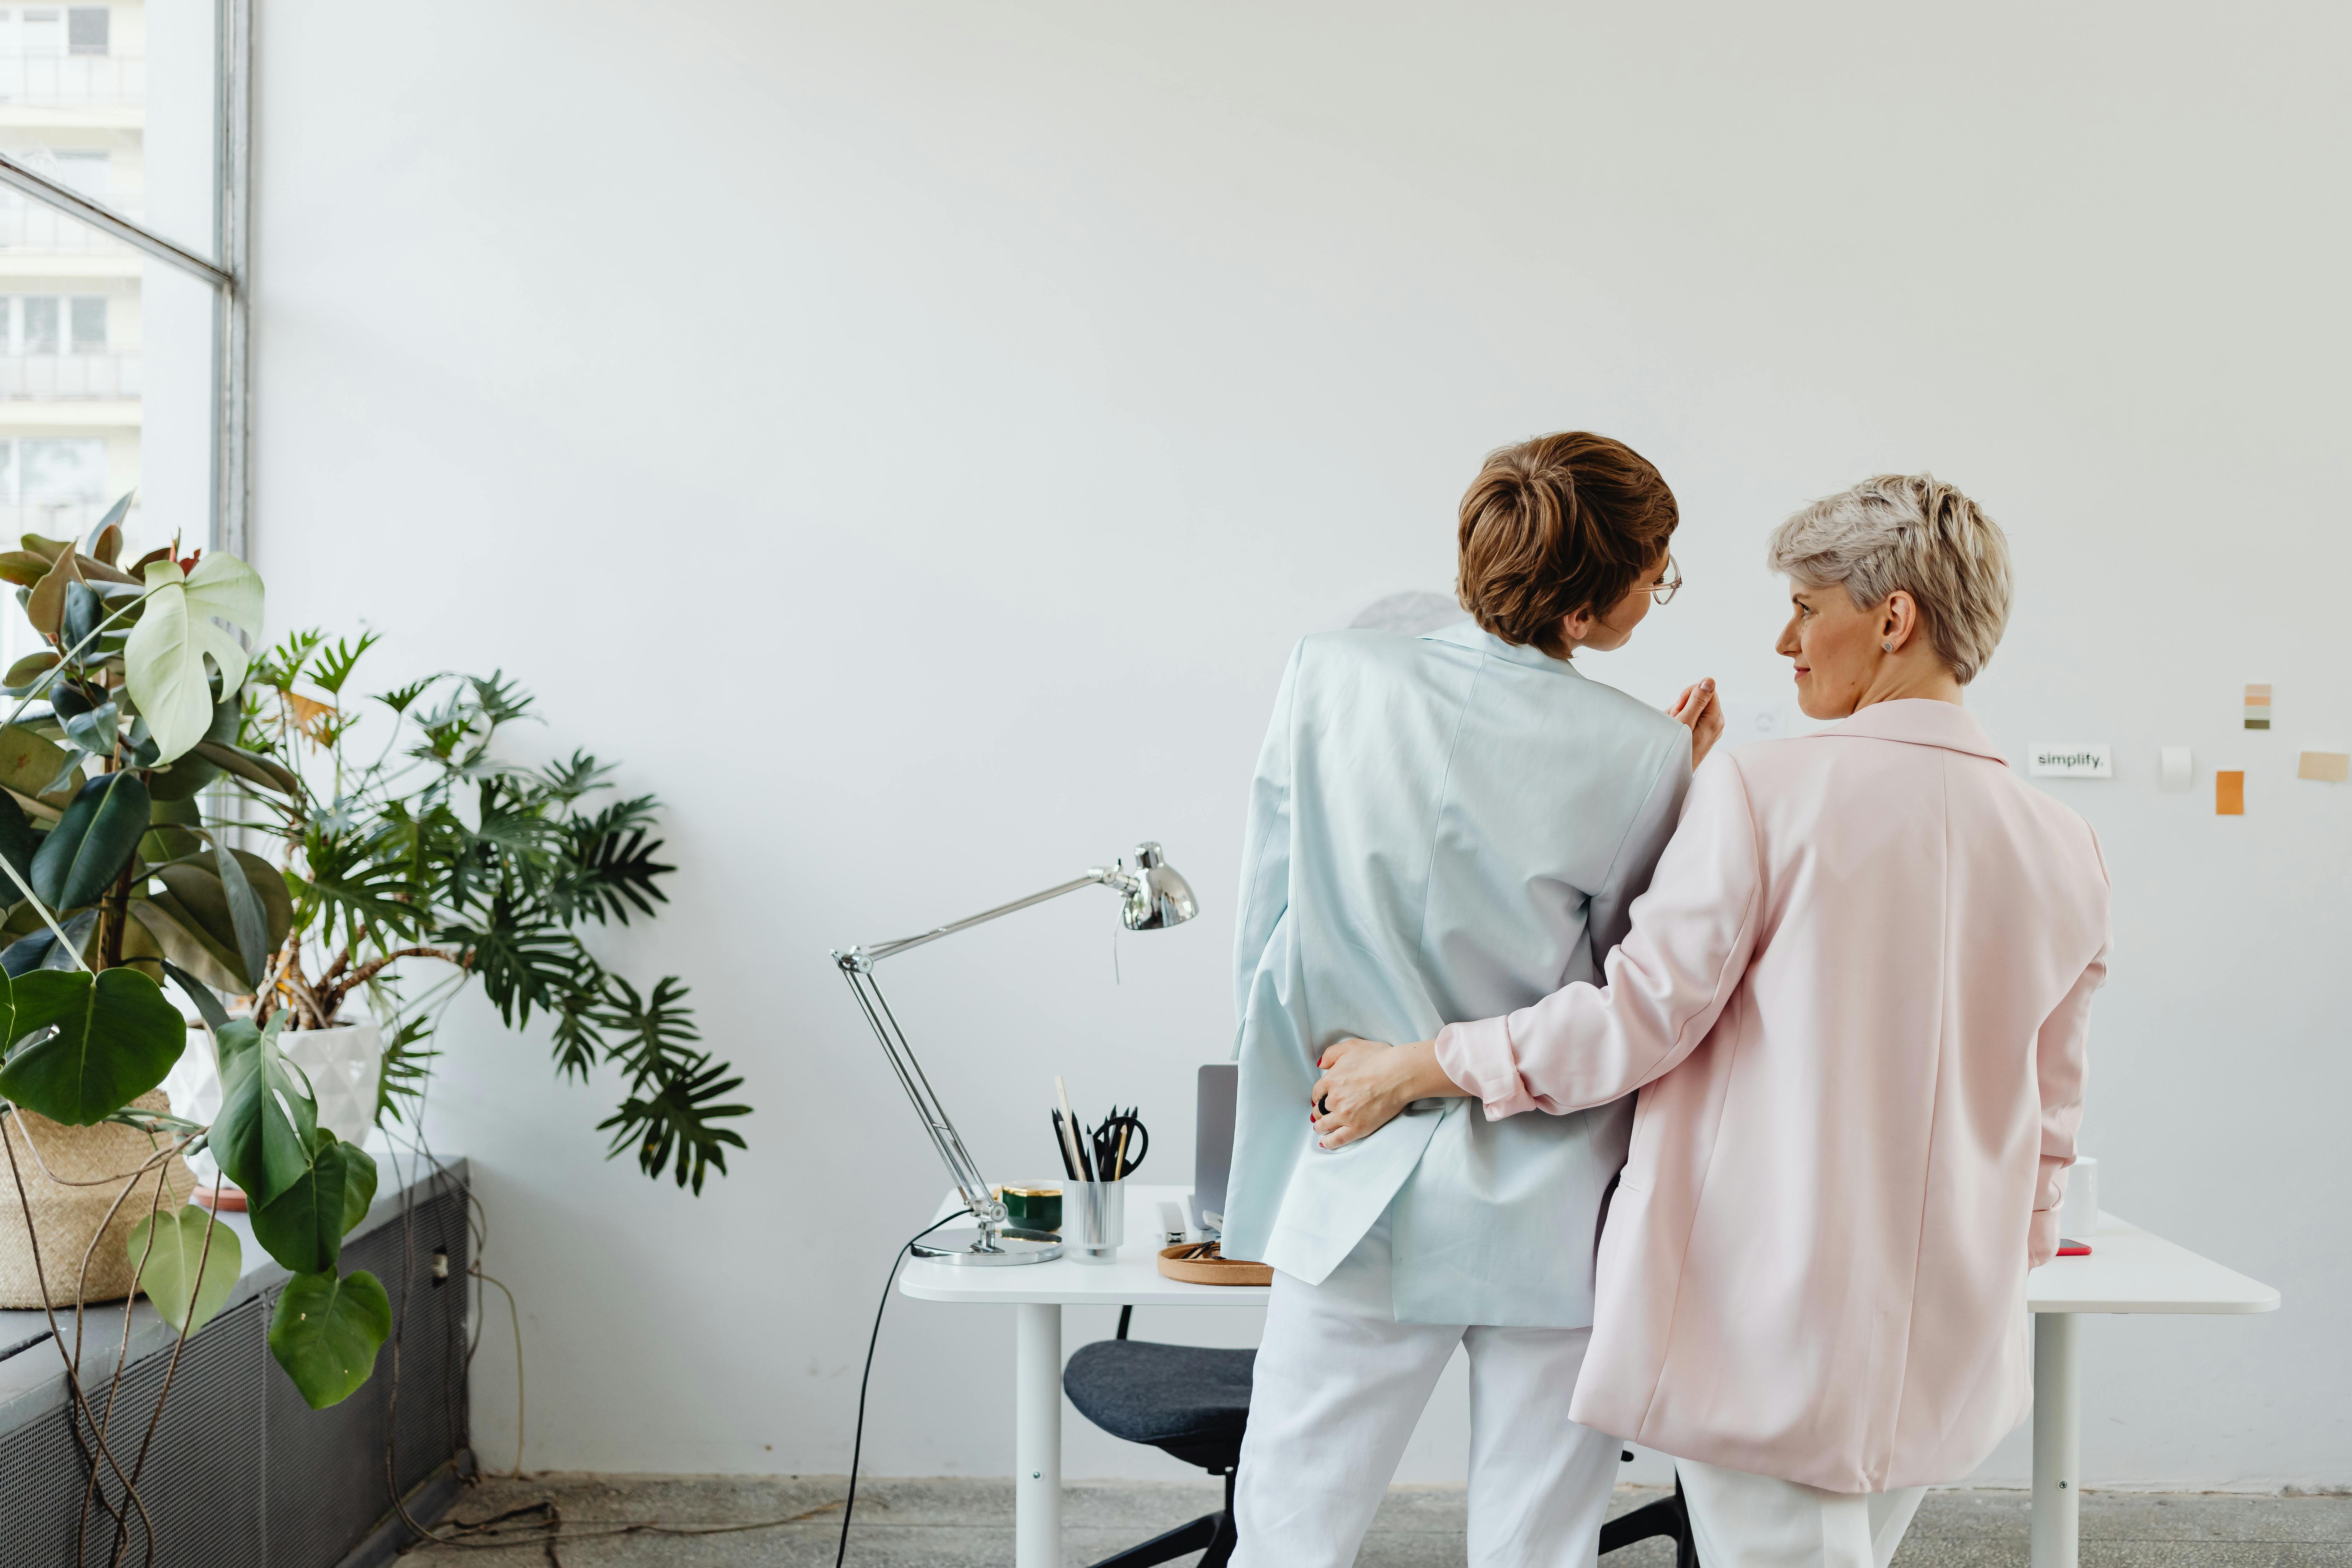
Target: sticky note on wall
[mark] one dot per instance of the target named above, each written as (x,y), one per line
(2327,767)
(2172,766)
(2230,794)
(2258,705)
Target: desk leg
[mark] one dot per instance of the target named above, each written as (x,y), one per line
(1037,1436)
(2057,1439)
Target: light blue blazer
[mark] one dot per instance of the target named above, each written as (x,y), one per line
(1442,829)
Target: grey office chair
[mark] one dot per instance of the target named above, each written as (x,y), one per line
(1188,1401)
(1667,1516)
(1193,1402)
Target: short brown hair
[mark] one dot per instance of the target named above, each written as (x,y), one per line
(1556,525)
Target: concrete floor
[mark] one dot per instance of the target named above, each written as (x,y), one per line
(954,1524)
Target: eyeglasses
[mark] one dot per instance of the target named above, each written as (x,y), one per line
(1671,583)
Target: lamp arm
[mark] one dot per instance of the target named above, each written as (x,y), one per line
(868,956)
(856,964)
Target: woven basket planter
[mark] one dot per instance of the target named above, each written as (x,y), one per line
(66,1218)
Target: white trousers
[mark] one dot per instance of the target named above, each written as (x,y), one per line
(1338,1386)
(1741,1521)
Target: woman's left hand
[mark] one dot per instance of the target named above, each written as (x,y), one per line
(1366,1084)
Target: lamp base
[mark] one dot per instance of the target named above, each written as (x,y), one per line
(963,1246)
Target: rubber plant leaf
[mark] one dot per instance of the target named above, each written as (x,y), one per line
(359,1184)
(79,929)
(201,901)
(248,921)
(248,765)
(24,568)
(106,539)
(262,1134)
(41,950)
(208,1005)
(189,618)
(46,607)
(192,772)
(17,843)
(92,842)
(180,1265)
(302,1228)
(182,938)
(29,763)
(326,1332)
(89,1043)
(95,730)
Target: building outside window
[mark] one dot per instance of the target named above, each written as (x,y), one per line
(121,341)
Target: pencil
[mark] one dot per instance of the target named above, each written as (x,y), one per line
(1077,1141)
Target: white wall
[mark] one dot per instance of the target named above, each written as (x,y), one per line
(910,436)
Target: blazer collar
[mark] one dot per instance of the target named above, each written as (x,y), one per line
(1469,633)
(1920,722)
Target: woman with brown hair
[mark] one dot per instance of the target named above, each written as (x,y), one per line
(1446,826)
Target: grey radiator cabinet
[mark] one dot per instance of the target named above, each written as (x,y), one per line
(241,1472)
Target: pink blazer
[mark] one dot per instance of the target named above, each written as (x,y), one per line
(1858,993)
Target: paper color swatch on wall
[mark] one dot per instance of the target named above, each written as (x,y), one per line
(2172,768)
(2258,705)
(2229,794)
(2327,767)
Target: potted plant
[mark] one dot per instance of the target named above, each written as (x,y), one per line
(428,851)
(116,877)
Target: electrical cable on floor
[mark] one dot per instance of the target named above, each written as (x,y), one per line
(487,1534)
(857,1440)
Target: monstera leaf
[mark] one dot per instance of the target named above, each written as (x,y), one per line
(178,1253)
(189,618)
(326,1331)
(302,1228)
(263,1133)
(115,1038)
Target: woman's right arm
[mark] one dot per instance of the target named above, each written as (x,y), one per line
(1693,936)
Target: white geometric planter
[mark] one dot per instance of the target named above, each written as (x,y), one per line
(341,1063)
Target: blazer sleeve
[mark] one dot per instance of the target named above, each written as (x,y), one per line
(1265,845)
(1610,913)
(1664,988)
(2062,1065)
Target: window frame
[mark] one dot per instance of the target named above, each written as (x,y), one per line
(232,226)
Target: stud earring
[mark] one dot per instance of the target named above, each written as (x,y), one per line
(1887,645)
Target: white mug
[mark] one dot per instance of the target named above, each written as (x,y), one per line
(2079,1218)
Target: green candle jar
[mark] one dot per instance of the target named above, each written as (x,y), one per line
(1033,1208)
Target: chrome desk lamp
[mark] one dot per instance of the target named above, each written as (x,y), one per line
(1156,897)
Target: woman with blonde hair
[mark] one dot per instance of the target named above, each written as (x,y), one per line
(1855,1000)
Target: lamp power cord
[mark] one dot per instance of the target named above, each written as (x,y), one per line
(857,1439)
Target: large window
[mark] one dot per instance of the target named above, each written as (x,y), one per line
(121,329)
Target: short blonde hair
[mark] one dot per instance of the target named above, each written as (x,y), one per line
(1913,533)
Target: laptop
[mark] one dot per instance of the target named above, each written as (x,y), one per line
(1213,1141)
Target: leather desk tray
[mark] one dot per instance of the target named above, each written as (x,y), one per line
(1200,1263)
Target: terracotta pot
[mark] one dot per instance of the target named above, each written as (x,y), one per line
(66,1219)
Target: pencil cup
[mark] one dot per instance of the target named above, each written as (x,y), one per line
(1093,1220)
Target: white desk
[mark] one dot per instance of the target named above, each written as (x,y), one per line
(2128,1270)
